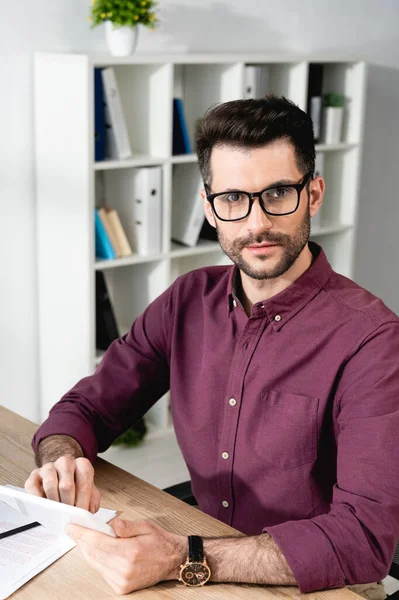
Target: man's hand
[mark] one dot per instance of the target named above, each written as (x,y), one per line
(142,555)
(69,480)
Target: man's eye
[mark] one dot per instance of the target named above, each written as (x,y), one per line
(234,197)
(279,192)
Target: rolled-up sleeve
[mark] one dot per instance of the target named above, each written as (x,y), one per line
(132,376)
(355,541)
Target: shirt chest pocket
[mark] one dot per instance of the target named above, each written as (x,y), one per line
(287,429)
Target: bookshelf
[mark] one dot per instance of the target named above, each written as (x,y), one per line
(66,175)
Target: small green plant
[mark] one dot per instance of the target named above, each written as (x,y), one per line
(124,12)
(133,436)
(334,100)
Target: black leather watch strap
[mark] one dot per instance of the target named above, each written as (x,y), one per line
(195,548)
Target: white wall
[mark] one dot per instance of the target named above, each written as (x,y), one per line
(368,28)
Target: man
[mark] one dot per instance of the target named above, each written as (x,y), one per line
(284,381)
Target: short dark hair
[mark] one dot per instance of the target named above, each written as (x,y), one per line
(253,124)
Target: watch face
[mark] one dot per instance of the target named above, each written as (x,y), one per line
(195,573)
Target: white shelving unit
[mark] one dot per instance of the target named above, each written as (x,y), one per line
(66,174)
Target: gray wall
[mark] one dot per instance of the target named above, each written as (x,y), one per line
(367,28)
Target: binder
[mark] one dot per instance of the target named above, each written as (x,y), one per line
(142,214)
(106,327)
(256,79)
(208,232)
(99,117)
(104,248)
(181,139)
(314,101)
(187,207)
(117,139)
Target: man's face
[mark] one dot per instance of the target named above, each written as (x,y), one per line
(261,245)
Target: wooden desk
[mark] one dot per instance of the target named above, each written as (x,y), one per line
(71,577)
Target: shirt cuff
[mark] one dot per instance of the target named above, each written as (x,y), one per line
(55,425)
(309,553)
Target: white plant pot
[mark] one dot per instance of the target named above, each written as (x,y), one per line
(333,117)
(121,41)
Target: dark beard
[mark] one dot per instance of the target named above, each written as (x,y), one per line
(292,248)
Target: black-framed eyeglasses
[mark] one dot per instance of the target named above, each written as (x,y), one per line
(278,200)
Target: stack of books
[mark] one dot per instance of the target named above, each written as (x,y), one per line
(111,239)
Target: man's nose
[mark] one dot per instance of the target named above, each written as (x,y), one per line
(257,219)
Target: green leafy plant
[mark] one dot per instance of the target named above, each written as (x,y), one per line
(124,12)
(335,100)
(133,436)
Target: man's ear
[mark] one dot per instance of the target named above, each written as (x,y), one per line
(317,187)
(208,210)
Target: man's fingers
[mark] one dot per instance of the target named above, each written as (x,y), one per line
(33,485)
(43,482)
(65,467)
(127,529)
(66,480)
(84,475)
(108,567)
(95,500)
(92,538)
(49,477)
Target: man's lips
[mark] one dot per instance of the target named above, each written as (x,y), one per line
(264,245)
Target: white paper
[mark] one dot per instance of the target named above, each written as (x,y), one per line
(55,515)
(25,554)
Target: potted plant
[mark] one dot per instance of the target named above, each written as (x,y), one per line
(121,19)
(333,118)
(133,436)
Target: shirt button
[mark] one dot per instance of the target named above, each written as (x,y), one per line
(225,504)
(232,401)
(225,455)
(245,346)
(277,318)
(234,304)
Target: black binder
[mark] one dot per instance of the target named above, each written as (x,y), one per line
(106,327)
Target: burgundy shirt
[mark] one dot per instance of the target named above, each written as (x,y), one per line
(288,420)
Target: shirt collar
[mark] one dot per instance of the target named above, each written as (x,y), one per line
(284,305)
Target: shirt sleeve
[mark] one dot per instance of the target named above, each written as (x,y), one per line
(132,376)
(355,541)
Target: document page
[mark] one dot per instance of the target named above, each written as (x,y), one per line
(25,554)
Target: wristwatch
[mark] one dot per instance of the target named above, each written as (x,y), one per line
(195,572)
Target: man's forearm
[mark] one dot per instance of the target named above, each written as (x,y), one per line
(255,559)
(54,446)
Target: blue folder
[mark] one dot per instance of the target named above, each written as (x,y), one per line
(181,140)
(99,118)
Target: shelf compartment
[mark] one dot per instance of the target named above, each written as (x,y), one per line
(338,247)
(349,79)
(183,264)
(145,91)
(128,299)
(203,85)
(284,79)
(337,171)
